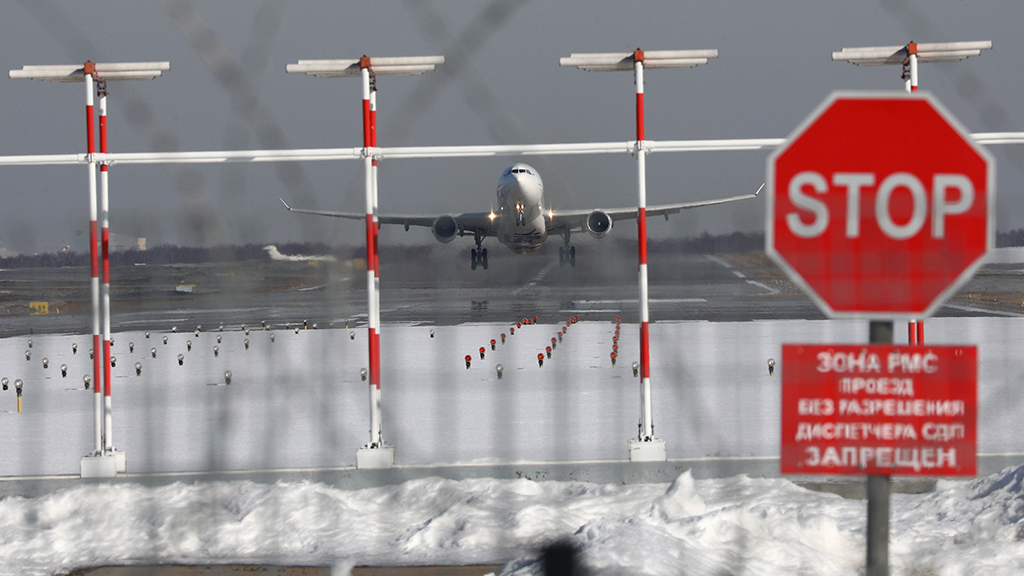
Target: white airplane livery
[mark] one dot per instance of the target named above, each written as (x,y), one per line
(521,221)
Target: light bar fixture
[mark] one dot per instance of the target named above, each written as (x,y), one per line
(106,71)
(930,52)
(380,66)
(617,61)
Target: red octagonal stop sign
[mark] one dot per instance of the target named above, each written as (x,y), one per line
(880,205)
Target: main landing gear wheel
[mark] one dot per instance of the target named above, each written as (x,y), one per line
(567,256)
(478,257)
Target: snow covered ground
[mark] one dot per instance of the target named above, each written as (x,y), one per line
(734,525)
(298,401)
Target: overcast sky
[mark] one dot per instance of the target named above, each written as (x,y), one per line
(227,89)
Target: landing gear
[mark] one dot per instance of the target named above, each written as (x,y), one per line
(566,254)
(478,255)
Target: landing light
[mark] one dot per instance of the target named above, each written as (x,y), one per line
(492,215)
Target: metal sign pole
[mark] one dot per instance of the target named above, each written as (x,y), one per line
(878,486)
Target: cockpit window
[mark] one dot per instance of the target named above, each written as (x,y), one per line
(521,170)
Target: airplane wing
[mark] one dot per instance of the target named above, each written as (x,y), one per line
(574,219)
(469,222)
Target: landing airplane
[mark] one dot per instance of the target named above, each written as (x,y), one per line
(521,222)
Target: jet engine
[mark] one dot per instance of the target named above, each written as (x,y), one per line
(445,228)
(598,224)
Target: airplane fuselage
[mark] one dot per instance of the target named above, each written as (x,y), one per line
(521,226)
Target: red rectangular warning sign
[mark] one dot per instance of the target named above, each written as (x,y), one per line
(879,409)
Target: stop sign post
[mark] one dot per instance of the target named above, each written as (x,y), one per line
(880,205)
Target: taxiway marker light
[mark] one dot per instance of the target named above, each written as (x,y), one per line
(493,343)
(131,347)
(500,370)
(74,349)
(28,355)
(4,382)
(636,369)
(46,362)
(63,370)
(482,349)
(469,360)
(29,342)
(86,379)
(181,359)
(227,377)
(246,342)
(351,335)
(540,359)
(362,374)
(216,351)
(152,352)
(138,368)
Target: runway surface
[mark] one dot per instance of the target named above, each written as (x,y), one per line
(433,285)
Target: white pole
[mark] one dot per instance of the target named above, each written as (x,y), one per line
(97,353)
(912,49)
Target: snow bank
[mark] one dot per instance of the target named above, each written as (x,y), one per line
(736,525)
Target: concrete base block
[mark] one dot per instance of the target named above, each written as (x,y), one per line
(647,451)
(375,458)
(99,466)
(122,461)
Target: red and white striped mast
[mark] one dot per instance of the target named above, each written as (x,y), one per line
(908,57)
(97,356)
(104,461)
(108,410)
(644,448)
(377,453)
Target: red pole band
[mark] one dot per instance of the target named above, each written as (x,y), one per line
(640,116)
(641,222)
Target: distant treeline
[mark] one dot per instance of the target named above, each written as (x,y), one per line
(170,254)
